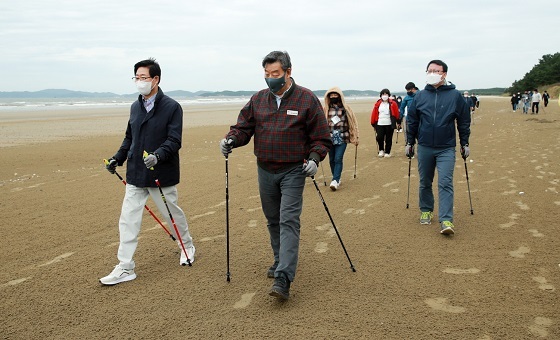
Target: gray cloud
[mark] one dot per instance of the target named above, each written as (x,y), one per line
(218,45)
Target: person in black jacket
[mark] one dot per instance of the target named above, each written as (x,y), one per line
(155,127)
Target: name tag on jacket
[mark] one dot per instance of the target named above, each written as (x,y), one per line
(292,113)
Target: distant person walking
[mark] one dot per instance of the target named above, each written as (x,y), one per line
(411,90)
(545,97)
(385,118)
(156,126)
(291,137)
(431,121)
(514,102)
(535,101)
(525,99)
(470,101)
(344,130)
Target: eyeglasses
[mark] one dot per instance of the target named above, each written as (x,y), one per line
(142,78)
(434,71)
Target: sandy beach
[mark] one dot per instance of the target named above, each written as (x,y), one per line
(497,278)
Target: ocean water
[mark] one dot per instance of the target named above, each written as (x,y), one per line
(48,104)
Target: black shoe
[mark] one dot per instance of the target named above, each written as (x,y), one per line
(281,287)
(271,270)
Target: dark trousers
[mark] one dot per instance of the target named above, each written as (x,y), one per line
(535,105)
(384,137)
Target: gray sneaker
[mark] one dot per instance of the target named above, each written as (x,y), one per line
(447,228)
(118,275)
(426,217)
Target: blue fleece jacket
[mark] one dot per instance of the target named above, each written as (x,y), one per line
(432,115)
(406,103)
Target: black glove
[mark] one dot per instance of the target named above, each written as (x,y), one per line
(409,150)
(111,165)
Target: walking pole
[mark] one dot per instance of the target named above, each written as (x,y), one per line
(408,192)
(397,137)
(170,215)
(227,222)
(468,186)
(355,160)
(145,206)
(334,226)
(323,171)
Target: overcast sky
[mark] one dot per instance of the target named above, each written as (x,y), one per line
(218,45)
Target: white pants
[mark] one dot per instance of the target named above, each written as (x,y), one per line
(131,219)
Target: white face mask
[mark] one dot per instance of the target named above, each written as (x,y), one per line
(144,87)
(384,97)
(433,78)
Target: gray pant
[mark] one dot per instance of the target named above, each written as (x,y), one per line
(282,201)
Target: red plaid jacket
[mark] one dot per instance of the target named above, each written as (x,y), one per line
(287,135)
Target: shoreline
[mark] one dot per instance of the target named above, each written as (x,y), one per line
(43,125)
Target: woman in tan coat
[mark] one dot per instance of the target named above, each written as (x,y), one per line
(344,130)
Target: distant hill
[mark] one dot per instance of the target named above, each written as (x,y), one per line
(227,94)
(495,91)
(350,93)
(63,93)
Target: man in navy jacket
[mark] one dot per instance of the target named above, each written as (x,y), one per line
(431,120)
(155,126)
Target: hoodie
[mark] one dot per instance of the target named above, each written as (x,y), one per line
(351,118)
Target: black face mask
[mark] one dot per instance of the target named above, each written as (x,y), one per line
(335,100)
(410,93)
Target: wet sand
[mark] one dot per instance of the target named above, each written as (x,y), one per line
(497,278)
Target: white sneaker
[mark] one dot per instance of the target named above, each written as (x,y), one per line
(334,185)
(190,251)
(381,153)
(387,155)
(118,275)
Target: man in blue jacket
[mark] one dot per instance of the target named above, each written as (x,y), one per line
(155,126)
(411,90)
(431,121)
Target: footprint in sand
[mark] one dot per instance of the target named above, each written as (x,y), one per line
(354,211)
(520,252)
(321,247)
(202,215)
(511,223)
(544,284)
(442,305)
(252,223)
(461,271)
(16,281)
(540,326)
(210,238)
(536,233)
(328,228)
(56,259)
(244,301)
(389,184)
(254,209)
(522,205)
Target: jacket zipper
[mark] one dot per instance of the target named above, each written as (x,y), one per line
(434,125)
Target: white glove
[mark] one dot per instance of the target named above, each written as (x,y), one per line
(310,167)
(409,150)
(465,151)
(150,160)
(226,146)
